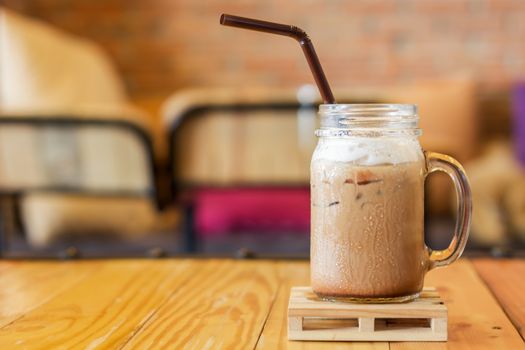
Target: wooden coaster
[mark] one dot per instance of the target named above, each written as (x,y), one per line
(310,318)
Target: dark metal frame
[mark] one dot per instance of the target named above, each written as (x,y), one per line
(71,122)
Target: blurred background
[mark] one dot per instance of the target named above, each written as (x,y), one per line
(144,128)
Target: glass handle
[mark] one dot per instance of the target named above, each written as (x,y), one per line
(450,166)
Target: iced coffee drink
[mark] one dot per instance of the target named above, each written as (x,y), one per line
(367,225)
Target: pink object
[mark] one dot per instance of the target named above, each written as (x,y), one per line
(223,211)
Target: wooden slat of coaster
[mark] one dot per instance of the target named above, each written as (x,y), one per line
(310,318)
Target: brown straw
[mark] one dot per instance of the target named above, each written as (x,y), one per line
(294,32)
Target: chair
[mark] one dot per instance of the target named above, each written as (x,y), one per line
(60,169)
(240,161)
(75,156)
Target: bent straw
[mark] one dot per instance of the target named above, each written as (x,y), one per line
(291,31)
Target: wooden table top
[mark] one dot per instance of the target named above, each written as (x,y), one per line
(224,304)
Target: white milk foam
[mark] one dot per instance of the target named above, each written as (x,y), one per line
(368,151)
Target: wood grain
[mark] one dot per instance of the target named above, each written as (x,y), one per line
(223,307)
(275,336)
(104,309)
(25,286)
(475,319)
(209,304)
(506,280)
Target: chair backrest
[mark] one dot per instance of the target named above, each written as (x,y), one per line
(68,154)
(244,145)
(237,138)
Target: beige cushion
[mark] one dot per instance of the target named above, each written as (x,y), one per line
(46,72)
(43,68)
(492,176)
(48,217)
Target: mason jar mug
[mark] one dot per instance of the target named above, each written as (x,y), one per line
(367,199)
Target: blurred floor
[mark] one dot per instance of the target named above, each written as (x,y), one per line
(237,245)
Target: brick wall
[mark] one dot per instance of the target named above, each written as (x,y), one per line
(162,45)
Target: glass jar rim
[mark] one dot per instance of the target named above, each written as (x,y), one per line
(370,109)
(368,120)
